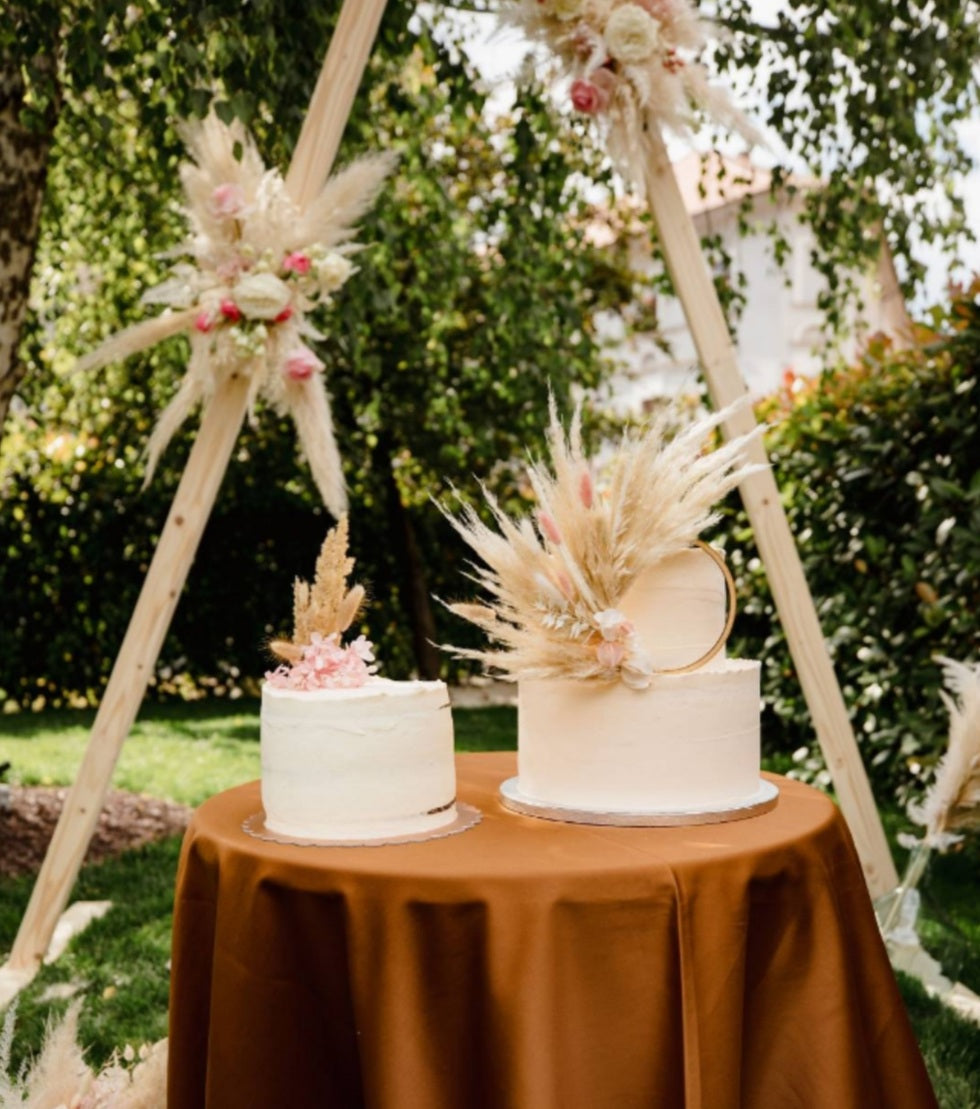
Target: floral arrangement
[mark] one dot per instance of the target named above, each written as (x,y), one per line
(61,1077)
(316,658)
(247,278)
(555,582)
(629,60)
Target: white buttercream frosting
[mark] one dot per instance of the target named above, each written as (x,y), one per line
(358,764)
(688,742)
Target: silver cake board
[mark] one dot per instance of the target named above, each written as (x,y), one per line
(762,801)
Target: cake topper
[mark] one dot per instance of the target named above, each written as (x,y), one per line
(555,584)
(315,657)
(252,270)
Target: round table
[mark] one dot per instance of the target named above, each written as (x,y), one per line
(529,964)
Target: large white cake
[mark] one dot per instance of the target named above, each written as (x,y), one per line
(370,763)
(689,743)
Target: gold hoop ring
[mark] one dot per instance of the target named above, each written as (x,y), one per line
(726,631)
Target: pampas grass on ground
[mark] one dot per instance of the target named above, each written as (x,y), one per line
(59,1078)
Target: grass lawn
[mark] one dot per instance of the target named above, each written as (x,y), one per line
(188,752)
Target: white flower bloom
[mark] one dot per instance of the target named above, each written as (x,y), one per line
(637,671)
(261,296)
(332,271)
(612,624)
(632,35)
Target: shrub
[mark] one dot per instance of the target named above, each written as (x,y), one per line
(878,468)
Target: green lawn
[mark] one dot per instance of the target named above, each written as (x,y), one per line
(187,752)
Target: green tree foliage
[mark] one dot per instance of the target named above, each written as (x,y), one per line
(438,371)
(880,475)
(866,94)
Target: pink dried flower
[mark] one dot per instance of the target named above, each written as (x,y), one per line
(548,527)
(230,310)
(587,97)
(610,655)
(301,364)
(297,262)
(284,314)
(228,200)
(326,664)
(204,321)
(586,492)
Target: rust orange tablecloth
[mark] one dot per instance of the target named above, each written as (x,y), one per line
(526,964)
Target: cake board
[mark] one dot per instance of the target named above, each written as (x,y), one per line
(762,801)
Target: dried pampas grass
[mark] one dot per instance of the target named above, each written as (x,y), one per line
(554,584)
(952,803)
(60,1078)
(327,607)
(254,267)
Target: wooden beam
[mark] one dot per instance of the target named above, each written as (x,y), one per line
(315,152)
(760,495)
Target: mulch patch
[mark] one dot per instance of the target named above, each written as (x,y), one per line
(127,820)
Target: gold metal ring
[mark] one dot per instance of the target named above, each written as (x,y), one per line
(719,560)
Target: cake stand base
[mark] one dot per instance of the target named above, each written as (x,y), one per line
(760,802)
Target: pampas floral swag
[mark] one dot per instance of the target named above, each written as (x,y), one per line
(554,584)
(629,61)
(250,273)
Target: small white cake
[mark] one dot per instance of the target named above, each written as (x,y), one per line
(687,743)
(370,763)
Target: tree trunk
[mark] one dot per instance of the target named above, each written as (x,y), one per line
(23,168)
(409,558)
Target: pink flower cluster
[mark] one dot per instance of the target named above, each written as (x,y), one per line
(327,664)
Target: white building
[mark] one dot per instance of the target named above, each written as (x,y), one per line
(780,327)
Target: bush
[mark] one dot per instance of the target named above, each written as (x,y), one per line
(878,467)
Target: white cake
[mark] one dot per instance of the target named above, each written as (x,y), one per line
(358,764)
(688,743)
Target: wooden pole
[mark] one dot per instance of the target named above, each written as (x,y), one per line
(315,152)
(760,495)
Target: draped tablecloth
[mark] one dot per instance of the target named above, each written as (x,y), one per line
(528,964)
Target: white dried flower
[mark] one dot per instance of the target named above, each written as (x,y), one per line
(612,624)
(261,296)
(332,271)
(632,35)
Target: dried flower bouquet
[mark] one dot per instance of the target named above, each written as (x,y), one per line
(250,274)
(555,583)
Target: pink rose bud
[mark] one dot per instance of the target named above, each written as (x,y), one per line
(230,310)
(297,262)
(548,527)
(592,94)
(585,96)
(610,655)
(228,200)
(204,321)
(301,364)
(284,314)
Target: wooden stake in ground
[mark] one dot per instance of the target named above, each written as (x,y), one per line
(760,495)
(315,152)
